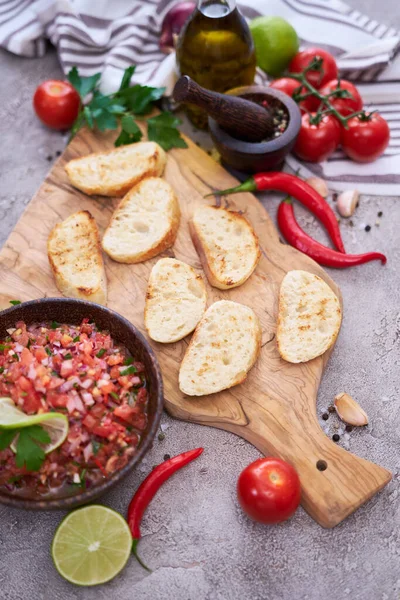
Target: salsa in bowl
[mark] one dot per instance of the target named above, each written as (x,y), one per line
(88,366)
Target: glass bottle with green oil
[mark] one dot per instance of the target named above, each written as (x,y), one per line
(215,48)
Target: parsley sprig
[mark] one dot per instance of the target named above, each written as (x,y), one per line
(124,107)
(29,453)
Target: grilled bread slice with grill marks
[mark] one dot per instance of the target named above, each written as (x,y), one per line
(227,246)
(175,300)
(144,224)
(115,172)
(76,260)
(223,349)
(309,317)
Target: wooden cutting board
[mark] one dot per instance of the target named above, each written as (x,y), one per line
(275,409)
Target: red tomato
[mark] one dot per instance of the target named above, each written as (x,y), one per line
(316,78)
(365,139)
(288,86)
(269,490)
(56,103)
(345,106)
(316,142)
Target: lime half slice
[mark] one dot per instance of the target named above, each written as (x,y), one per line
(56,424)
(91,545)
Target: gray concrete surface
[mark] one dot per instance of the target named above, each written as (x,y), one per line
(196,539)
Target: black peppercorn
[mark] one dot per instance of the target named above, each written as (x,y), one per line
(58,153)
(349,428)
(380,213)
(161,436)
(336,437)
(167,456)
(331,409)
(49,158)
(325,416)
(368,228)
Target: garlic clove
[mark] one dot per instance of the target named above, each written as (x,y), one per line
(350,411)
(347,202)
(319,185)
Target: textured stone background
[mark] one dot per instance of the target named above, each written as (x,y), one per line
(196,539)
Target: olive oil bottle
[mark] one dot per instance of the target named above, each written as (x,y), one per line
(215,48)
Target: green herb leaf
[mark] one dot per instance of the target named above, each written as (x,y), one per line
(1,370)
(54,325)
(87,113)
(96,446)
(139,98)
(129,371)
(15,302)
(101,352)
(128,360)
(114,395)
(126,138)
(130,131)
(126,78)
(76,339)
(29,452)
(162,129)
(67,356)
(6,437)
(129,125)
(48,351)
(4,347)
(83,85)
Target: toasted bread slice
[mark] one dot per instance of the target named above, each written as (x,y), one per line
(75,257)
(224,347)
(115,172)
(144,224)
(227,246)
(309,317)
(175,300)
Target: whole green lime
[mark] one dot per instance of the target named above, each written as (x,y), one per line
(276,43)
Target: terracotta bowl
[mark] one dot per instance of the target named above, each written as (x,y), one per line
(264,156)
(71,311)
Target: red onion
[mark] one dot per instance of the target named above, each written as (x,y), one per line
(173,22)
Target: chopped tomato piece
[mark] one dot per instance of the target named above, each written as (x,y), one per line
(66,340)
(40,354)
(108,388)
(26,357)
(56,399)
(125,381)
(31,403)
(115,359)
(90,422)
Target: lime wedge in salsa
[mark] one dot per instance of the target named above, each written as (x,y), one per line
(91,545)
(55,424)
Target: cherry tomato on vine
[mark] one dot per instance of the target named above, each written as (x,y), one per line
(268,490)
(287,85)
(366,137)
(328,71)
(345,106)
(316,143)
(56,103)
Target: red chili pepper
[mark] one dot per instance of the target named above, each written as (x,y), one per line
(299,189)
(298,238)
(149,487)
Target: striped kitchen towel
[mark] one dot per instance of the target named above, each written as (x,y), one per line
(99,35)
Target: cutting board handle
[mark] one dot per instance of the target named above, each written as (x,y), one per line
(334,482)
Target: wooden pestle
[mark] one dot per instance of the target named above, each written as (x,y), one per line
(243,119)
